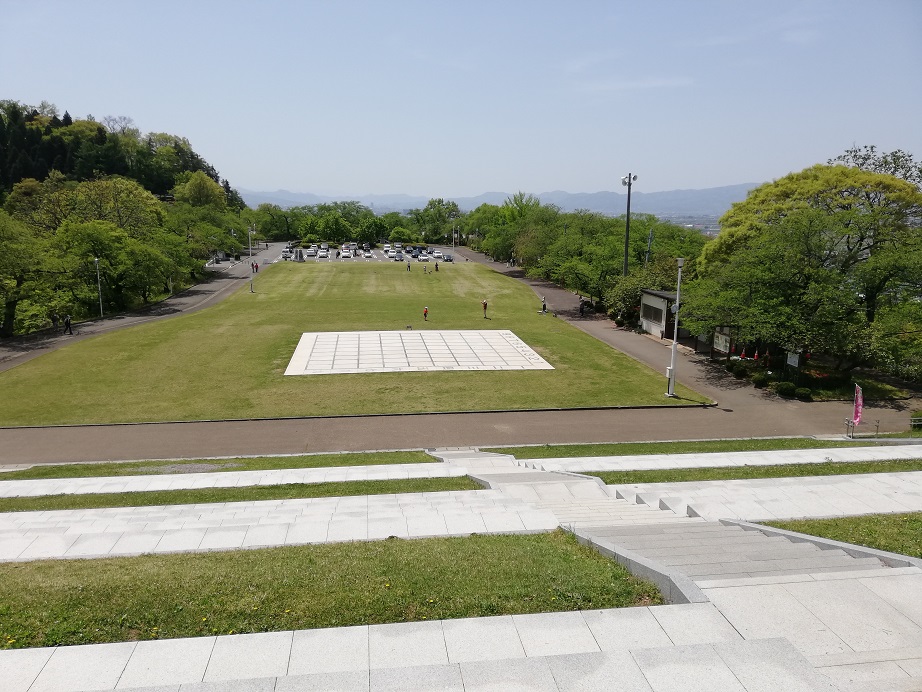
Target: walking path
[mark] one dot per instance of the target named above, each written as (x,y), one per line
(753,610)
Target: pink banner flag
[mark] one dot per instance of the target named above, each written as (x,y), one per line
(859,405)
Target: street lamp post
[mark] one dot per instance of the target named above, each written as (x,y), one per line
(670,372)
(98,284)
(627,181)
(250,232)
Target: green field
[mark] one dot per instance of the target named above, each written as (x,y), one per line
(896,533)
(228,361)
(65,602)
(617,449)
(250,493)
(154,467)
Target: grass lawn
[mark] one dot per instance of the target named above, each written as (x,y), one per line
(62,602)
(143,468)
(873,390)
(896,533)
(252,493)
(228,361)
(683,447)
(729,473)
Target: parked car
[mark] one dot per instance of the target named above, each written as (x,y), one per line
(311,252)
(367,254)
(286,253)
(323,254)
(448,258)
(422,258)
(437,254)
(398,256)
(346,254)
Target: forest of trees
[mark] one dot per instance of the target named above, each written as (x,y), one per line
(76,193)
(827,260)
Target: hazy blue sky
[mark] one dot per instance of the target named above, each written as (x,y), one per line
(458,98)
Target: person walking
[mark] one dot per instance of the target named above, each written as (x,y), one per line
(426,314)
(484,304)
(543,304)
(408,265)
(67,328)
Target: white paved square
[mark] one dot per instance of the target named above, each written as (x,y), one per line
(329,353)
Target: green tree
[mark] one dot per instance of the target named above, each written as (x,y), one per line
(810,260)
(200,191)
(23,270)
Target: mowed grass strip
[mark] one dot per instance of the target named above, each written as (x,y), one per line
(617,449)
(144,468)
(252,493)
(730,473)
(228,361)
(896,533)
(64,602)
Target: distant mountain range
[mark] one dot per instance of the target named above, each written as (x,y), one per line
(710,202)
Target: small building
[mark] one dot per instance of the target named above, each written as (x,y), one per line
(656,312)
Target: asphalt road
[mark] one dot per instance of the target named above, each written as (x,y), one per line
(741,410)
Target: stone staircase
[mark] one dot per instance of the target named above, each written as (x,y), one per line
(709,552)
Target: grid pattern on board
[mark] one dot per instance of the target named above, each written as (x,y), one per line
(328,353)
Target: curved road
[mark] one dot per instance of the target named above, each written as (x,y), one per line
(741,410)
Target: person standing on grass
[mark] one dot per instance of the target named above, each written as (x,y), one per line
(67,328)
(543,304)
(484,304)
(408,265)
(426,314)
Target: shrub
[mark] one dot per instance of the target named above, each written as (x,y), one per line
(803,393)
(619,321)
(740,371)
(787,389)
(916,414)
(729,365)
(759,380)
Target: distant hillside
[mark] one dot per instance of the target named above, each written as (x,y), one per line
(708,202)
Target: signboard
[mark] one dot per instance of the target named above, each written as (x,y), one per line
(859,405)
(794,359)
(722,342)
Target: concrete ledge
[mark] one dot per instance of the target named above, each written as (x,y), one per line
(675,587)
(888,558)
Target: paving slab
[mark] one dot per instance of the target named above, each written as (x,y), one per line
(167,662)
(482,639)
(74,668)
(552,634)
(406,645)
(242,656)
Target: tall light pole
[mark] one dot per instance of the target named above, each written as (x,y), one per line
(98,284)
(250,231)
(627,181)
(670,372)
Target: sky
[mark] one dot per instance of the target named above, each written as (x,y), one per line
(451,99)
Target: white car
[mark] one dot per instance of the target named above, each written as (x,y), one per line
(437,254)
(391,254)
(367,254)
(346,254)
(323,254)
